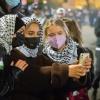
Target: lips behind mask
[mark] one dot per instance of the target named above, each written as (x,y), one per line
(57,41)
(32,42)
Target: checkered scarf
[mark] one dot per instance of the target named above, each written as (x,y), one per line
(27,51)
(68,55)
(28,20)
(7,28)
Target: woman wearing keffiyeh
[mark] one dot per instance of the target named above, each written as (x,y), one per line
(9,25)
(60,48)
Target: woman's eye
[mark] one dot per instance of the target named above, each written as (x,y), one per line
(51,35)
(59,33)
(31,33)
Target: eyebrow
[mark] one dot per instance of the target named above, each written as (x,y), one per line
(54,33)
(59,31)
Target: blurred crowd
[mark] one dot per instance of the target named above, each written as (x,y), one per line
(83,16)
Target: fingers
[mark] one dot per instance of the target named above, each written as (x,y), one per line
(24,67)
(81,73)
(20,64)
(76,71)
(87,63)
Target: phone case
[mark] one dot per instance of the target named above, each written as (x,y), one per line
(83,56)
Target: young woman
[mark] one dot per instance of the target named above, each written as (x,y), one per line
(62,49)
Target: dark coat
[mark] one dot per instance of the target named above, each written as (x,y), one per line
(34,84)
(6,79)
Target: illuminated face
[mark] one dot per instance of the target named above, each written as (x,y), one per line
(55,30)
(56,37)
(32,30)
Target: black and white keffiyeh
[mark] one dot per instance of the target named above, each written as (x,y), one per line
(41,18)
(28,20)
(27,51)
(7,28)
(68,55)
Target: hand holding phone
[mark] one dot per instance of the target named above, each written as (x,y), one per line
(83,57)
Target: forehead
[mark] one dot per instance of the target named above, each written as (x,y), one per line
(33,26)
(55,29)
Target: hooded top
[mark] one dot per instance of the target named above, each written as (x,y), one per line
(7,29)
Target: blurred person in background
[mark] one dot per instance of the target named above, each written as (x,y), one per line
(38,13)
(60,13)
(74,30)
(10,7)
(79,16)
(92,16)
(47,11)
(97,53)
(86,16)
(24,10)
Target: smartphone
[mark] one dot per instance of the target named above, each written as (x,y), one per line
(82,57)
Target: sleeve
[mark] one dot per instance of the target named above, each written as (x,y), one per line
(14,57)
(59,74)
(6,78)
